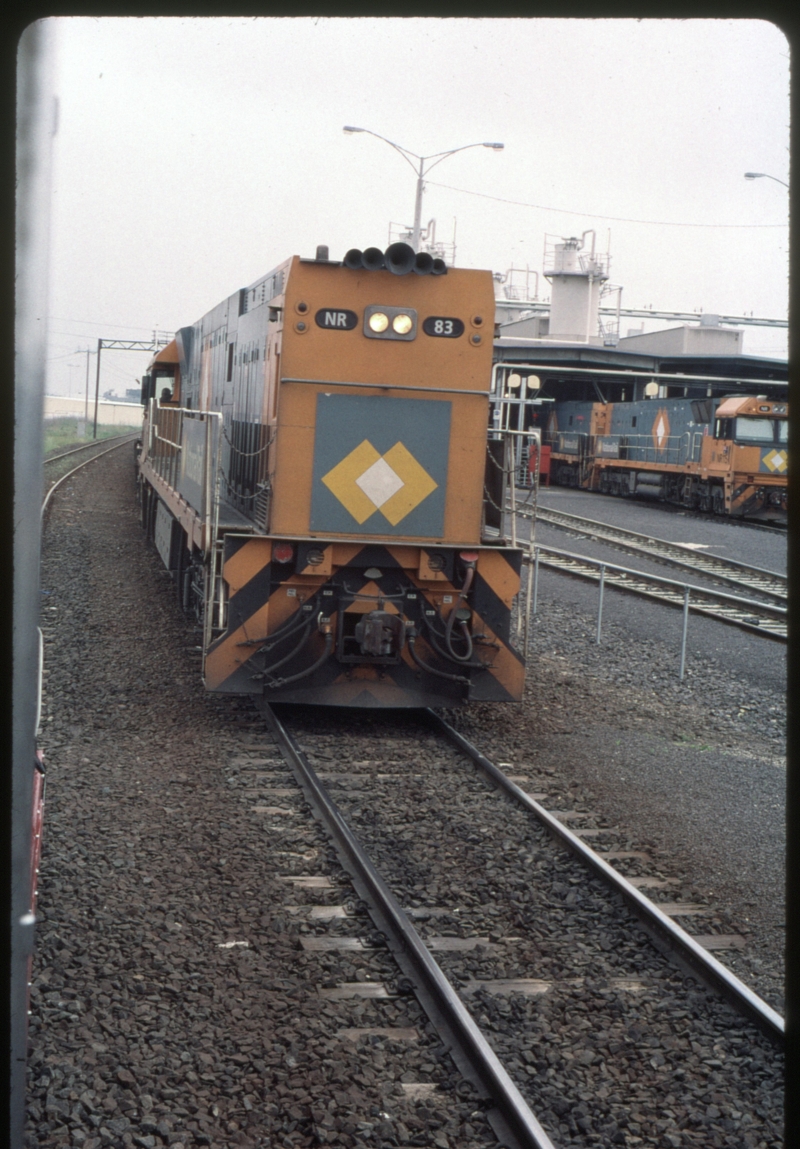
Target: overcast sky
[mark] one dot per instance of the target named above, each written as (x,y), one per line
(192,155)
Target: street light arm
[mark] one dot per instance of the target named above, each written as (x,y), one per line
(404,152)
(764,176)
(439,156)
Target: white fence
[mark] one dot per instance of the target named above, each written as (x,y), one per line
(108,414)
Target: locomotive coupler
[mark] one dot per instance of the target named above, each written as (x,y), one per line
(380,634)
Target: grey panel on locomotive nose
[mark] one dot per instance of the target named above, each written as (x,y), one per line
(344,422)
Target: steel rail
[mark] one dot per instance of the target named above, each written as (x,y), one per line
(667,936)
(512,1119)
(74,470)
(762,618)
(766,582)
(87,446)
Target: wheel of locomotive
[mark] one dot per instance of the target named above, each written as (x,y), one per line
(704,500)
(605,484)
(718,501)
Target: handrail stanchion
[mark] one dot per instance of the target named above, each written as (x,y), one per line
(509,456)
(531,541)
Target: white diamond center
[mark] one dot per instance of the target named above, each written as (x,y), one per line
(660,429)
(379,482)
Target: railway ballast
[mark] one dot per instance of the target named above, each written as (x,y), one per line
(153,1018)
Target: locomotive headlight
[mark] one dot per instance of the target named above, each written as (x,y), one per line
(382,321)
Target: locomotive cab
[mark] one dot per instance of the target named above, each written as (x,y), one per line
(163,379)
(753,430)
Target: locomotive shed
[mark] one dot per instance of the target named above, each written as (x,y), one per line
(146,1027)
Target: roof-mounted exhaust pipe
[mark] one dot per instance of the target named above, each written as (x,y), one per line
(400,258)
(372,259)
(353,259)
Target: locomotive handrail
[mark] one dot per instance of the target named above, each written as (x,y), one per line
(671,454)
(169,442)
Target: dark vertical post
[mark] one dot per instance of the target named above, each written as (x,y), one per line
(86,408)
(97,387)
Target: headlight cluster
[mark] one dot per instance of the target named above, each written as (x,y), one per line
(390,322)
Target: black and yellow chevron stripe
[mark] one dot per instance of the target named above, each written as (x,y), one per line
(262,599)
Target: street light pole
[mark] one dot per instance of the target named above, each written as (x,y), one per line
(421,171)
(764,176)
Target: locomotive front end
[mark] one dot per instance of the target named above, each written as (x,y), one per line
(362,572)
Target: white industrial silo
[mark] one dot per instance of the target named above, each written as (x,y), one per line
(576,282)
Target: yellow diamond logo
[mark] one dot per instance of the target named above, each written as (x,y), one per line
(776,461)
(365,481)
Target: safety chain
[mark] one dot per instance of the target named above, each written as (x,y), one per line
(499,466)
(238,494)
(249,454)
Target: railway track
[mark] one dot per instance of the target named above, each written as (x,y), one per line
(770,585)
(765,619)
(54,465)
(761,607)
(438,927)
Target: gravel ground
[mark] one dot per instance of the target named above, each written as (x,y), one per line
(152,1024)
(147,1031)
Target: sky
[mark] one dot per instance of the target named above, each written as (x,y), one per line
(193,155)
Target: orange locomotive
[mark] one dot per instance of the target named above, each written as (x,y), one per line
(726,455)
(312,473)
